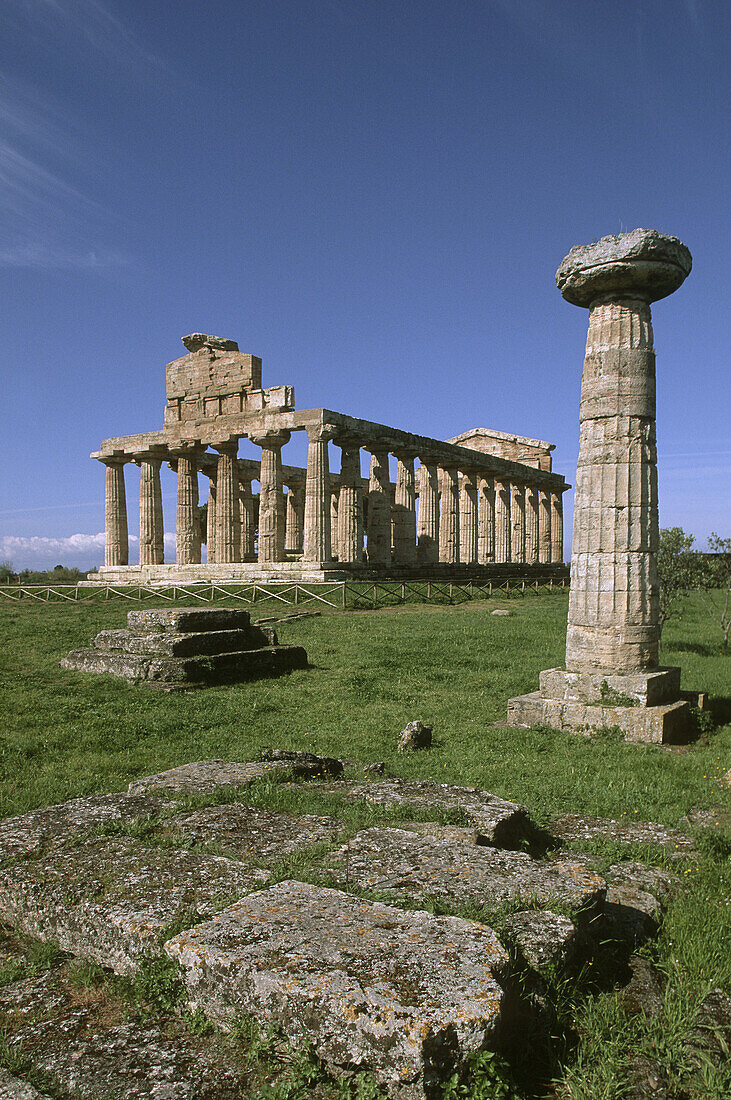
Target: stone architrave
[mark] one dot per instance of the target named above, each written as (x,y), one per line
(228,530)
(116,538)
(449,515)
(295,526)
(503,525)
(187,523)
(404,542)
(317,536)
(350,516)
(379,509)
(531,525)
(468,533)
(152,533)
(545,543)
(517,515)
(485,520)
(211,522)
(613,620)
(271,511)
(247,519)
(556,527)
(427,551)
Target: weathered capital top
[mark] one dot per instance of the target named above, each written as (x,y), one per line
(643,264)
(198,340)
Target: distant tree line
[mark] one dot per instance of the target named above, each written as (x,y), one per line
(60,574)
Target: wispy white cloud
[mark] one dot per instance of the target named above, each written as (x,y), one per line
(92,23)
(28,551)
(60,259)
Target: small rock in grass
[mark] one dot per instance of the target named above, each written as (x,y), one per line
(500,611)
(415,736)
(644,991)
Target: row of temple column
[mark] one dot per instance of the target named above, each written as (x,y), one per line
(463,516)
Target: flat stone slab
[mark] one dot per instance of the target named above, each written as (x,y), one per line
(207,776)
(110,900)
(577,827)
(664,724)
(495,820)
(404,995)
(176,644)
(403,863)
(40,830)
(187,620)
(256,835)
(246,664)
(89,1057)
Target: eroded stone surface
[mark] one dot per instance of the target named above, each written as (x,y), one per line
(110,900)
(497,821)
(641,877)
(415,736)
(402,863)
(259,836)
(52,826)
(405,995)
(631,915)
(544,939)
(12,1088)
(206,776)
(643,993)
(576,827)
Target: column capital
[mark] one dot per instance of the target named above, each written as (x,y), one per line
(270,438)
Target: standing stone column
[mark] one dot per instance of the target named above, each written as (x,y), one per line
(612,636)
(271,509)
(350,541)
(151,522)
(556,527)
(531,525)
(334,527)
(449,516)
(517,514)
(211,522)
(187,522)
(545,545)
(379,509)
(247,519)
(317,539)
(486,520)
(228,529)
(428,530)
(116,538)
(404,542)
(503,523)
(468,518)
(295,527)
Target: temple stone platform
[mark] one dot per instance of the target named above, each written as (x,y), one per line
(176,649)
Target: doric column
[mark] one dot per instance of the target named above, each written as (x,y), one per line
(531,525)
(503,522)
(151,523)
(247,519)
(116,538)
(404,542)
(485,519)
(544,526)
(317,538)
(187,521)
(379,509)
(613,604)
(449,516)
(271,510)
(228,530)
(468,518)
(334,529)
(350,541)
(428,531)
(517,515)
(211,522)
(556,527)
(295,527)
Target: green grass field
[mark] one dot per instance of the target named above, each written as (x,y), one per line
(68,734)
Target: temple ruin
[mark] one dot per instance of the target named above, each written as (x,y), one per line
(481,500)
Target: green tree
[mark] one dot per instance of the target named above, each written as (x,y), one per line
(677,570)
(714,586)
(6,572)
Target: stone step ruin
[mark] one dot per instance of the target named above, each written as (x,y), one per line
(380,986)
(180,648)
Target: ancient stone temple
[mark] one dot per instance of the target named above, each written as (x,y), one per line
(612,677)
(474,503)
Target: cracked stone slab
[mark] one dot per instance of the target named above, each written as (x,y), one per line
(207,776)
(88,1056)
(111,900)
(544,939)
(575,827)
(631,914)
(406,996)
(640,877)
(253,834)
(39,830)
(403,863)
(495,820)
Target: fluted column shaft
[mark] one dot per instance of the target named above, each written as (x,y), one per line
(531,525)
(247,520)
(334,527)
(544,526)
(151,521)
(272,523)
(116,537)
(503,522)
(556,527)
(187,523)
(428,528)
(228,530)
(211,528)
(350,515)
(317,537)
(468,518)
(379,510)
(486,520)
(294,536)
(449,516)
(517,515)
(404,543)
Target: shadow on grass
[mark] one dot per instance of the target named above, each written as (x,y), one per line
(720,709)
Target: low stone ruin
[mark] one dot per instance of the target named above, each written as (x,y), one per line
(172,649)
(380,985)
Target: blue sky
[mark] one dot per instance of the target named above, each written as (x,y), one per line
(373,196)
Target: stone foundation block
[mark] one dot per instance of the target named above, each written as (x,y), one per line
(668,723)
(650,689)
(187,621)
(174,644)
(403,995)
(171,672)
